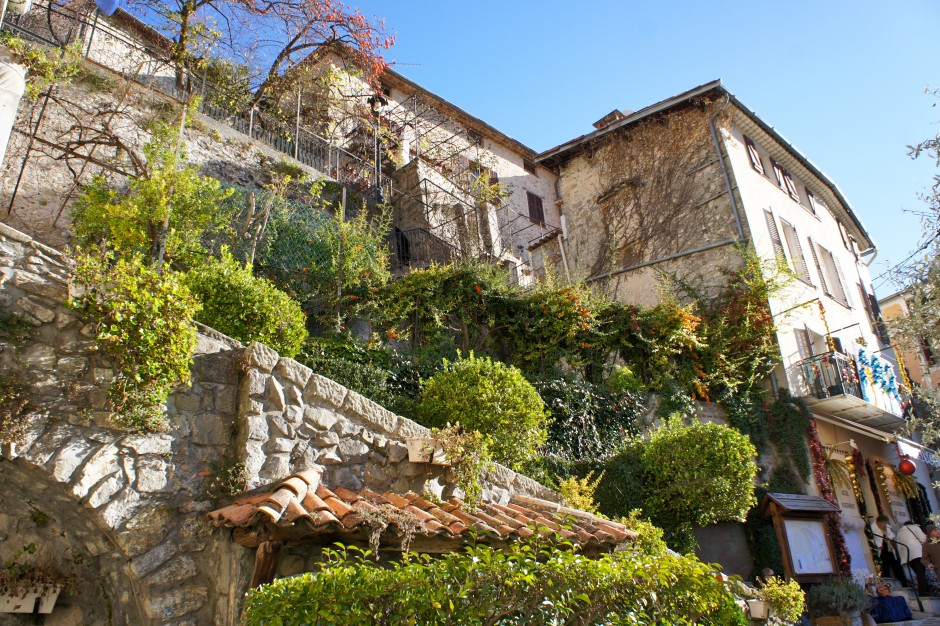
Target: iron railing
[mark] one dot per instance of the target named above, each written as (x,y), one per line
(830,374)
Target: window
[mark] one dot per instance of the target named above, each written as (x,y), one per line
(775,236)
(811,199)
(785,180)
(529,166)
(831,275)
(536,211)
(796,252)
(753,154)
(819,269)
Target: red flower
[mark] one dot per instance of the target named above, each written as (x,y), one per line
(477,287)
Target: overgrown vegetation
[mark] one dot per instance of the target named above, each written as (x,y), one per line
(143,321)
(524,583)
(45,67)
(14,400)
(246,307)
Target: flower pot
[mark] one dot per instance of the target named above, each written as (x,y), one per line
(758,609)
(850,618)
(48,598)
(426,450)
(10,603)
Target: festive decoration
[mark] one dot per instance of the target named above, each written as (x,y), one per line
(906,466)
(830,344)
(877,373)
(833,520)
(873,484)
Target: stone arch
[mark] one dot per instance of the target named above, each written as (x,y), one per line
(35,508)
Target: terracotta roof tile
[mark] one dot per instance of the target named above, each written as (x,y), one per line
(340,509)
(344,494)
(320,510)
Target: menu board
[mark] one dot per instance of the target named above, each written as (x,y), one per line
(808,547)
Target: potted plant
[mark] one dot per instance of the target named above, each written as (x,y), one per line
(23,586)
(426,450)
(838,602)
(782,600)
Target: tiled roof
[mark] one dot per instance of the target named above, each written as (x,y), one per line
(300,507)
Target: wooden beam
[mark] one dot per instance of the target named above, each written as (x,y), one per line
(265,563)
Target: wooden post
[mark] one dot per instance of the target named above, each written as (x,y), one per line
(265,563)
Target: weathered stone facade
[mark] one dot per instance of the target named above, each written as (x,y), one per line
(127,512)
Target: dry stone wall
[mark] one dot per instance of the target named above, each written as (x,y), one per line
(126,512)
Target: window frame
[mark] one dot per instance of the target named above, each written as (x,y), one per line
(754,155)
(535,200)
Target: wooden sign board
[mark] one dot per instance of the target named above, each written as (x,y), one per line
(800,524)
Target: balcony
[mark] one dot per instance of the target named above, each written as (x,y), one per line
(833,388)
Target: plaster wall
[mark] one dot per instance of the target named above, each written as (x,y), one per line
(829,229)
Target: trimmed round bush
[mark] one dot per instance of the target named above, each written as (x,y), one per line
(491,397)
(697,474)
(247,307)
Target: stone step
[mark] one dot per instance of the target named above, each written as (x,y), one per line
(931,604)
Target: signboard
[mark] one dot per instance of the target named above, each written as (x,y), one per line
(809,549)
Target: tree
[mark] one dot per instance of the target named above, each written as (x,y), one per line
(920,276)
(270,37)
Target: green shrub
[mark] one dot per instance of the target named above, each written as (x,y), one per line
(836,597)
(493,398)
(131,221)
(144,321)
(523,584)
(650,537)
(246,307)
(786,599)
(621,489)
(695,475)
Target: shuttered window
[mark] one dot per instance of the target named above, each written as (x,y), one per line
(811,199)
(796,252)
(829,268)
(775,236)
(753,155)
(819,268)
(536,211)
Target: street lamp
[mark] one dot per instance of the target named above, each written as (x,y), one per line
(376,103)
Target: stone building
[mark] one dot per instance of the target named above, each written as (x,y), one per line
(672,190)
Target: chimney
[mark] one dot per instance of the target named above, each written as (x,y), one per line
(614,116)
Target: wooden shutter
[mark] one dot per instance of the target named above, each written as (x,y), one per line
(841,280)
(778,174)
(753,155)
(790,186)
(819,268)
(494,177)
(803,343)
(796,251)
(811,199)
(774,235)
(536,211)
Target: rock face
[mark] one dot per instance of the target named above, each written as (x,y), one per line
(126,512)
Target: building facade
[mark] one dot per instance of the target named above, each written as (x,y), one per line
(674,189)
(922,365)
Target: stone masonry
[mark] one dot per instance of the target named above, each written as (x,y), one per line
(126,512)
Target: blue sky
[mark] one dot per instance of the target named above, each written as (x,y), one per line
(843,81)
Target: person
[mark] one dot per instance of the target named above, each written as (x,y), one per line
(931,558)
(887,608)
(910,539)
(885,542)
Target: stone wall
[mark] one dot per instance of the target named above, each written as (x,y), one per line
(126,512)
(49,180)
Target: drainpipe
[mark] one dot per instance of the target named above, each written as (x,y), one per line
(724,168)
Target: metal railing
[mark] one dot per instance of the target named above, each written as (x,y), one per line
(109,48)
(830,374)
(417,248)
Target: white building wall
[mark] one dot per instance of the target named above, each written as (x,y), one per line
(848,322)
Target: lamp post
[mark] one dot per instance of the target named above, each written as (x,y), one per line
(376,103)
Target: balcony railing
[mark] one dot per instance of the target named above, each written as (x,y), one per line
(831,374)
(833,387)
